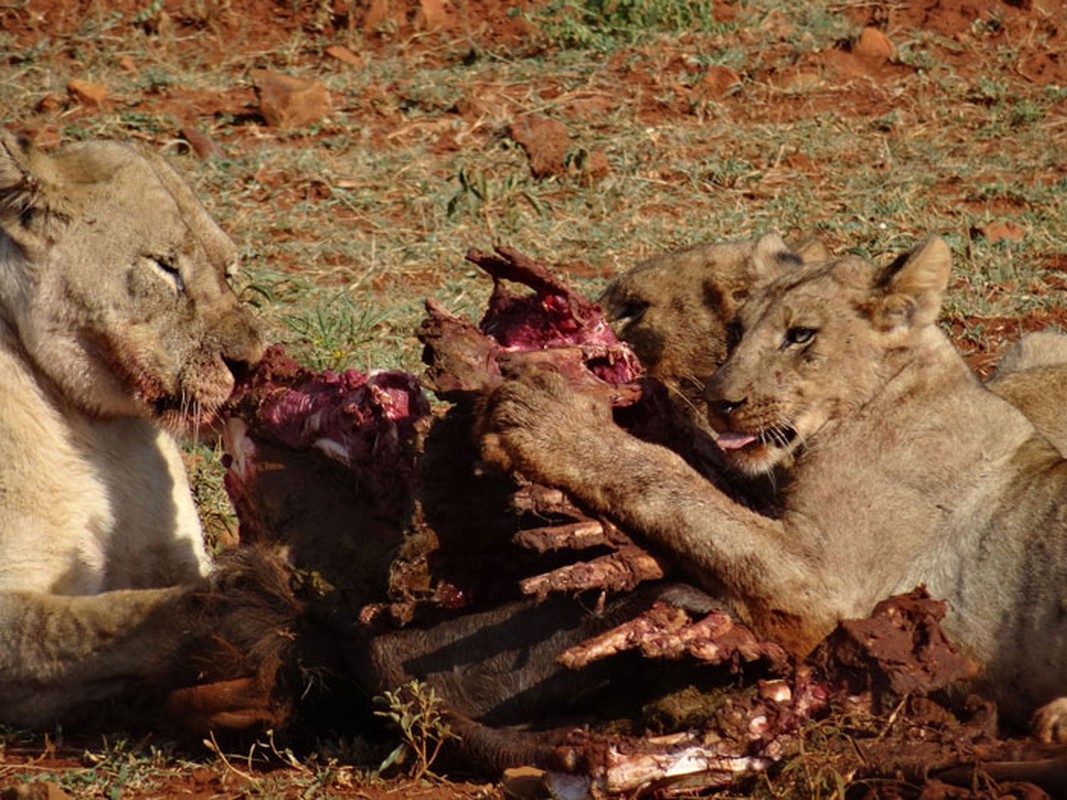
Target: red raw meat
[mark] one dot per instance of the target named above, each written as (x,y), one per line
(368,422)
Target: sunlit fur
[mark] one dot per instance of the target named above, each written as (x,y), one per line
(117,329)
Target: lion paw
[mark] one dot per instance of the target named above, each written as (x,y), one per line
(1049,723)
(531,422)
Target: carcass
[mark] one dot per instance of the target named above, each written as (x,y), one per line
(556,638)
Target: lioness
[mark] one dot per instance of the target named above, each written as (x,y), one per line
(906,471)
(117,327)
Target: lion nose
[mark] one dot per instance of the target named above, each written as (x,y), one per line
(242,346)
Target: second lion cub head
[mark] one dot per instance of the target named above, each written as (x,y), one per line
(675,309)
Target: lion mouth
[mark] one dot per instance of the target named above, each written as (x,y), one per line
(774,437)
(193,421)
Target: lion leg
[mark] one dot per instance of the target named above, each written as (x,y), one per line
(537,425)
(59,653)
(220,648)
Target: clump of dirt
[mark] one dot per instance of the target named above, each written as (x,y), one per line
(971,24)
(900,650)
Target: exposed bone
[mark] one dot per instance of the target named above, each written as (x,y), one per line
(536,498)
(665,766)
(569,536)
(631,772)
(555,326)
(618,571)
(665,631)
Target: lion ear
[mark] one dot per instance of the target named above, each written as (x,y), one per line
(18,188)
(813,251)
(27,179)
(913,286)
(771,257)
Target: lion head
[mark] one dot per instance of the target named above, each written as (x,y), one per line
(815,345)
(116,283)
(675,309)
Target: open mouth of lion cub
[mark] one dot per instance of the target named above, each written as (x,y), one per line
(737,440)
(752,449)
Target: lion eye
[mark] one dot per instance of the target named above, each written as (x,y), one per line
(166,265)
(798,336)
(631,310)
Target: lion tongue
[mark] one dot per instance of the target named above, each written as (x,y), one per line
(731,440)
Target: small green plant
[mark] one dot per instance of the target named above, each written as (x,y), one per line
(1025,112)
(148,13)
(988,91)
(419,714)
(331,334)
(822,768)
(989,26)
(156,79)
(480,189)
(600,24)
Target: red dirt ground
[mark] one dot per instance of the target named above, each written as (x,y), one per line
(858,78)
(860,83)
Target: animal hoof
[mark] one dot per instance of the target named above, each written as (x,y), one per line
(234,705)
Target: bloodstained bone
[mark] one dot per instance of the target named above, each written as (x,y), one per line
(665,631)
(544,501)
(619,571)
(555,325)
(568,536)
(558,328)
(553,316)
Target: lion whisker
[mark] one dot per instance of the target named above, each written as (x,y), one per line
(699,415)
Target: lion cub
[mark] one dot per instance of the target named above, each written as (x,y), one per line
(1031,376)
(117,327)
(906,471)
(675,310)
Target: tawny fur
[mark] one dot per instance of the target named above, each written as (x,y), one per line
(117,328)
(907,471)
(675,310)
(1032,376)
